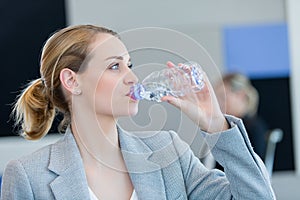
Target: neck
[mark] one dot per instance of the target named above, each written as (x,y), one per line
(97,139)
(100,128)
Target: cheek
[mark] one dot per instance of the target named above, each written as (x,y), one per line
(105,89)
(107,92)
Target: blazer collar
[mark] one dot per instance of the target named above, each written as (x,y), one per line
(143,168)
(144,171)
(66,162)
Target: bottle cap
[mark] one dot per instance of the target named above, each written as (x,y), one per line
(136,91)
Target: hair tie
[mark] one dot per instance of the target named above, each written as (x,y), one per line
(43,81)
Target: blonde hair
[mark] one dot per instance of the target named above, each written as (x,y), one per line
(37,105)
(239,82)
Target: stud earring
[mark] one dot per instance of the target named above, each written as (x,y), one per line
(76,91)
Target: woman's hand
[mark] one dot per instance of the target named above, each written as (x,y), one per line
(201,107)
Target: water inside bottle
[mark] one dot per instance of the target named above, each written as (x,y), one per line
(150,91)
(176,82)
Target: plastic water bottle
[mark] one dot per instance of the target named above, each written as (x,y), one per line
(176,81)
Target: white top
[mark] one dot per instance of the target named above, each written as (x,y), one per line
(93,196)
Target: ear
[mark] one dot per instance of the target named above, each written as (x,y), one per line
(68,81)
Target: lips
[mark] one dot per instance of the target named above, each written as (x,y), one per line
(130,95)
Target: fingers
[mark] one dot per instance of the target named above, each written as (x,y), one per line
(172,100)
(170,64)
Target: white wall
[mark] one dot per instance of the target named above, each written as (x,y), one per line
(293,17)
(134,13)
(200,19)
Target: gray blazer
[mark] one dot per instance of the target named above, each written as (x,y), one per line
(161,167)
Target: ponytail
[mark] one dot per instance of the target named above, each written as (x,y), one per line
(37,105)
(34,111)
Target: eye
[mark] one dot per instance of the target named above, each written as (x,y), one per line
(130,65)
(114,66)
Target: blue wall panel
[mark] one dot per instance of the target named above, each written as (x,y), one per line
(259,51)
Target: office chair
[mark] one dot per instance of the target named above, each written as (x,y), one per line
(274,137)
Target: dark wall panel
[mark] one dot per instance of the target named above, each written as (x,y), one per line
(275,108)
(25,25)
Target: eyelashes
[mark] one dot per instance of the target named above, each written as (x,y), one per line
(130,65)
(116,66)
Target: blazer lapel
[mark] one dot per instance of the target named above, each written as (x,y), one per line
(66,162)
(145,174)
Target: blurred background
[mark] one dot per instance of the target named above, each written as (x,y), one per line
(259,38)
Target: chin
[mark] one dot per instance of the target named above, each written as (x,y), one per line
(132,109)
(132,112)
(127,113)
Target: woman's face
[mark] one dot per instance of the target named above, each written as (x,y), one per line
(106,80)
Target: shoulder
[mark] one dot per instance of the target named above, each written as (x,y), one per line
(33,161)
(165,144)
(132,140)
(19,173)
(28,173)
(159,139)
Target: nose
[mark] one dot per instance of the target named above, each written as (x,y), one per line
(130,78)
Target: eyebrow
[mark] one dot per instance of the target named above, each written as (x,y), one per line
(115,57)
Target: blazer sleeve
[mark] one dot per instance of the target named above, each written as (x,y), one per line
(15,183)
(244,176)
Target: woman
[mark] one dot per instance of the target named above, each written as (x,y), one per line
(86,75)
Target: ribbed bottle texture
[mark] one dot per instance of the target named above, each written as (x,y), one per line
(176,81)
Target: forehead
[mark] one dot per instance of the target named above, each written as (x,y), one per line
(106,45)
